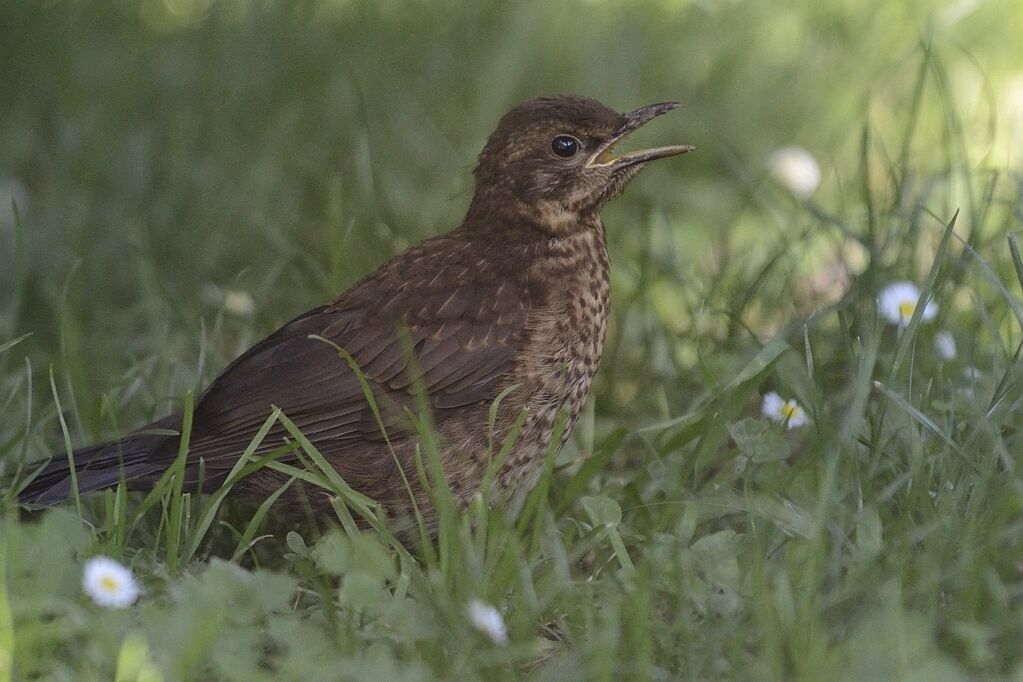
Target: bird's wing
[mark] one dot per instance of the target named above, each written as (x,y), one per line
(463,343)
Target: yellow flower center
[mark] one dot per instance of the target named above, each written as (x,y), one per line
(790,409)
(906,309)
(109,583)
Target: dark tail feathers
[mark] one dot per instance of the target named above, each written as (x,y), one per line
(96,467)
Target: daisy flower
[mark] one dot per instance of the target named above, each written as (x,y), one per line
(780,410)
(109,583)
(238,302)
(945,345)
(233,301)
(796,169)
(488,620)
(899,300)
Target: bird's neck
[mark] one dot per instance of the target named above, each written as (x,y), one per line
(580,255)
(492,210)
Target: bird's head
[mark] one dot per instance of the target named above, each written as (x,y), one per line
(557,154)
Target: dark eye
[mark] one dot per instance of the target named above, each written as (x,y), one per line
(565,146)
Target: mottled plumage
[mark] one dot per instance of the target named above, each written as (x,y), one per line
(515,299)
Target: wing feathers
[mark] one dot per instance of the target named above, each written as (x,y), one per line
(464,358)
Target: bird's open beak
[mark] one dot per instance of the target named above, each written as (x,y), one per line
(604,156)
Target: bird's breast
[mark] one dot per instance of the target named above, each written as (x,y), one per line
(565,340)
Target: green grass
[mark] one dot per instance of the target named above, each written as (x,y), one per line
(158,148)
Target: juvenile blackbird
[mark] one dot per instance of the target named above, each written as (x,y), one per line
(514,300)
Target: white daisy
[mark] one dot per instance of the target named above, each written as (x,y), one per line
(109,583)
(488,620)
(898,302)
(238,302)
(234,301)
(796,169)
(780,410)
(945,345)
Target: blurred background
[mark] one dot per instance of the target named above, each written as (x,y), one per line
(189,174)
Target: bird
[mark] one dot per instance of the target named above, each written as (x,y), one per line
(494,330)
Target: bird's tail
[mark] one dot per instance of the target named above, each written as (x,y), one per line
(96,467)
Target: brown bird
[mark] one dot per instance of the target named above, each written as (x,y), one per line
(514,301)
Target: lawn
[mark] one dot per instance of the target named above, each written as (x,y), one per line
(180,177)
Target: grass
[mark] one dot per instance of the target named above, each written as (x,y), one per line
(275,151)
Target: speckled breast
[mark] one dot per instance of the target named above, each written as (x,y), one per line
(566,341)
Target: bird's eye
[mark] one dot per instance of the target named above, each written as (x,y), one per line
(565,146)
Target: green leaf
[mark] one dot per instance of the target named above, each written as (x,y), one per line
(369,556)
(333,553)
(363,591)
(717,555)
(759,440)
(603,511)
(296,544)
(133,661)
(760,363)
